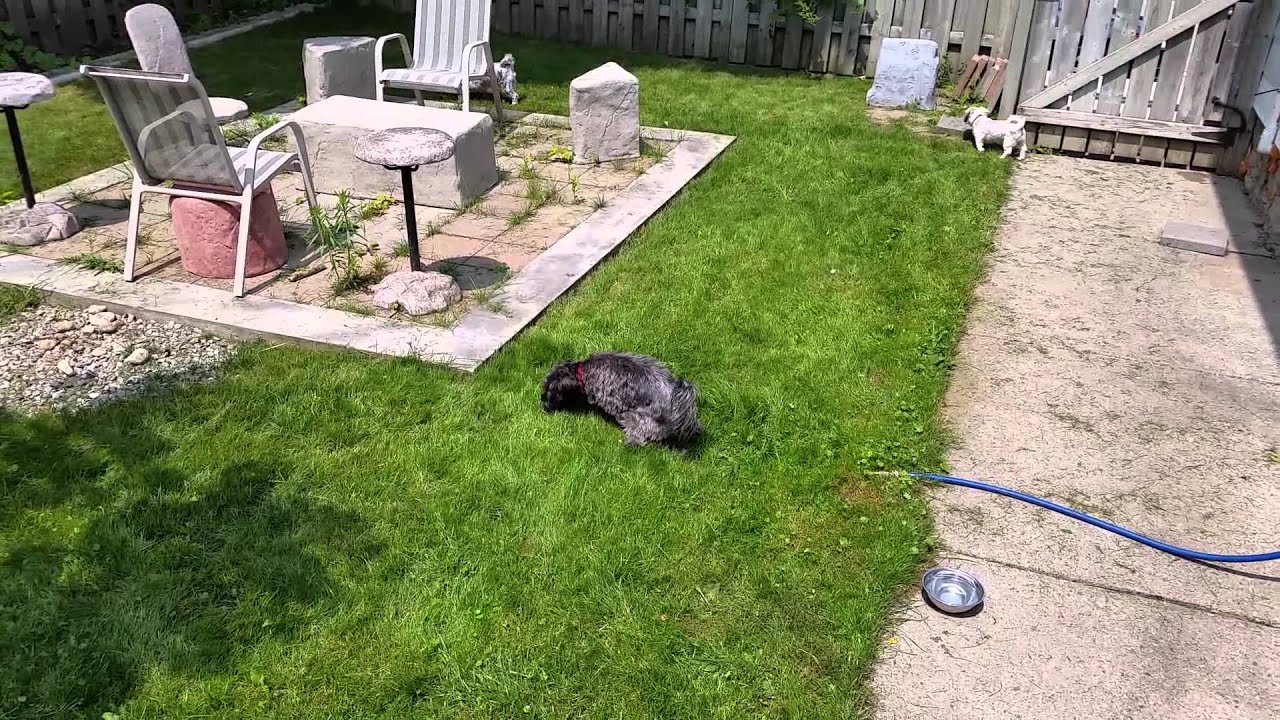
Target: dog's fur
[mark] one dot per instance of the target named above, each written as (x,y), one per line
(505,69)
(1011,132)
(639,393)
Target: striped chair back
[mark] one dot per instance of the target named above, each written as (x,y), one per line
(442,28)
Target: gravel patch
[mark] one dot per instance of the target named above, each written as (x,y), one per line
(55,357)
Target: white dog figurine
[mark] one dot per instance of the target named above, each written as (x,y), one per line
(505,69)
(1012,132)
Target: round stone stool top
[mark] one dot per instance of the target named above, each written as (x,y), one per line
(19,89)
(404,147)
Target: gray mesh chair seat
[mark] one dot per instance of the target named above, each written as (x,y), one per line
(177,149)
(450,49)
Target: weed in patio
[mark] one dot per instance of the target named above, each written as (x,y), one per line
(598,202)
(400,249)
(521,215)
(354,308)
(376,207)
(540,193)
(81,196)
(557,153)
(16,298)
(528,171)
(336,232)
(94,262)
(654,151)
(475,205)
(575,185)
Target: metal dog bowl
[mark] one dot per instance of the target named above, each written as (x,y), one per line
(952,591)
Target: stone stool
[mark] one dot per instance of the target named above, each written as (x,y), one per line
(206,232)
(44,221)
(404,149)
(604,113)
(338,66)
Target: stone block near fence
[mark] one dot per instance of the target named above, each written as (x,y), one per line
(906,73)
(338,66)
(604,113)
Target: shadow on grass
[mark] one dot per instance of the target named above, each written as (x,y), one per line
(118,562)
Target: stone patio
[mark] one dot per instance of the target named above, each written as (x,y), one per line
(490,247)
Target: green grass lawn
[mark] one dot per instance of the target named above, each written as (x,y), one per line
(326,535)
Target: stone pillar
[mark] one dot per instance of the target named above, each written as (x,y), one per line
(604,113)
(338,66)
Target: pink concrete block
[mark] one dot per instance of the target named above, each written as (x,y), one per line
(206,234)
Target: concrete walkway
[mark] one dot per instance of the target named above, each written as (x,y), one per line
(1134,381)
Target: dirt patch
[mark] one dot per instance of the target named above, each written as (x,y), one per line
(859,491)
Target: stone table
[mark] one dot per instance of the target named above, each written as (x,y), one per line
(405,149)
(17,91)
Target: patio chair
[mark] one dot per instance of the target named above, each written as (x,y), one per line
(160,48)
(177,149)
(450,49)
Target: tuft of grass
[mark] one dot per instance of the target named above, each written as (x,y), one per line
(521,215)
(80,195)
(400,249)
(654,151)
(598,202)
(16,298)
(94,262)
(528,171)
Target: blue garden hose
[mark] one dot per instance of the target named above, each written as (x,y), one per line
(1174,550)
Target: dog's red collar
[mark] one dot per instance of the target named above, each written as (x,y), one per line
(581,380)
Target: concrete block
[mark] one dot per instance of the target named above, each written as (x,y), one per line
(156,39)
(906,73)
(951,125)
(604,113)
(1196,238)
(338,66)
(332,126)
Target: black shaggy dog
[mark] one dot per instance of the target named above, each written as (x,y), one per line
(640,393)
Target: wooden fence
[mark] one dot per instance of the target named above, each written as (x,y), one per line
(845,40)
(72,27)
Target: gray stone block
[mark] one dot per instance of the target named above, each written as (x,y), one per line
(332,126)
(45,222)
(156,39)
(604,113)
(951,125)
(906,73)
(1196,238)
(338,66)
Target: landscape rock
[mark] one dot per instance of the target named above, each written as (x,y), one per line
(338,66)
(906,73)
(604,114)
(64,367)
(95,309)
(416,293)
(102,319)
(138,356)
(64,326)
(45,222)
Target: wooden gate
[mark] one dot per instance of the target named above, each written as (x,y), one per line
(1127,79)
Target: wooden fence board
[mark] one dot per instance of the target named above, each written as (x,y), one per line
(649,27)
(880,26)
(1201,67)
(675,34)
(702,30)
(1039,44)
(846,62)
(577,27)
(912,18)
(1173,67)
(935,25)
(969,18)
(764,37)
(1227,62)
(528,18)
(1093,45)
(1019,39)
(820,51)
(600,23)
(1124,29)
(791,43)
(738,31)
(626,23)
(549,22)
(502,17)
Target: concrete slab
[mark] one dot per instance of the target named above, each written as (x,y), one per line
(1141,384)
(1046,648)
(1196,238)
(951,125)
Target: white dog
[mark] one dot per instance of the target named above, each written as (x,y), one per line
(1013,132)
(505,69)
